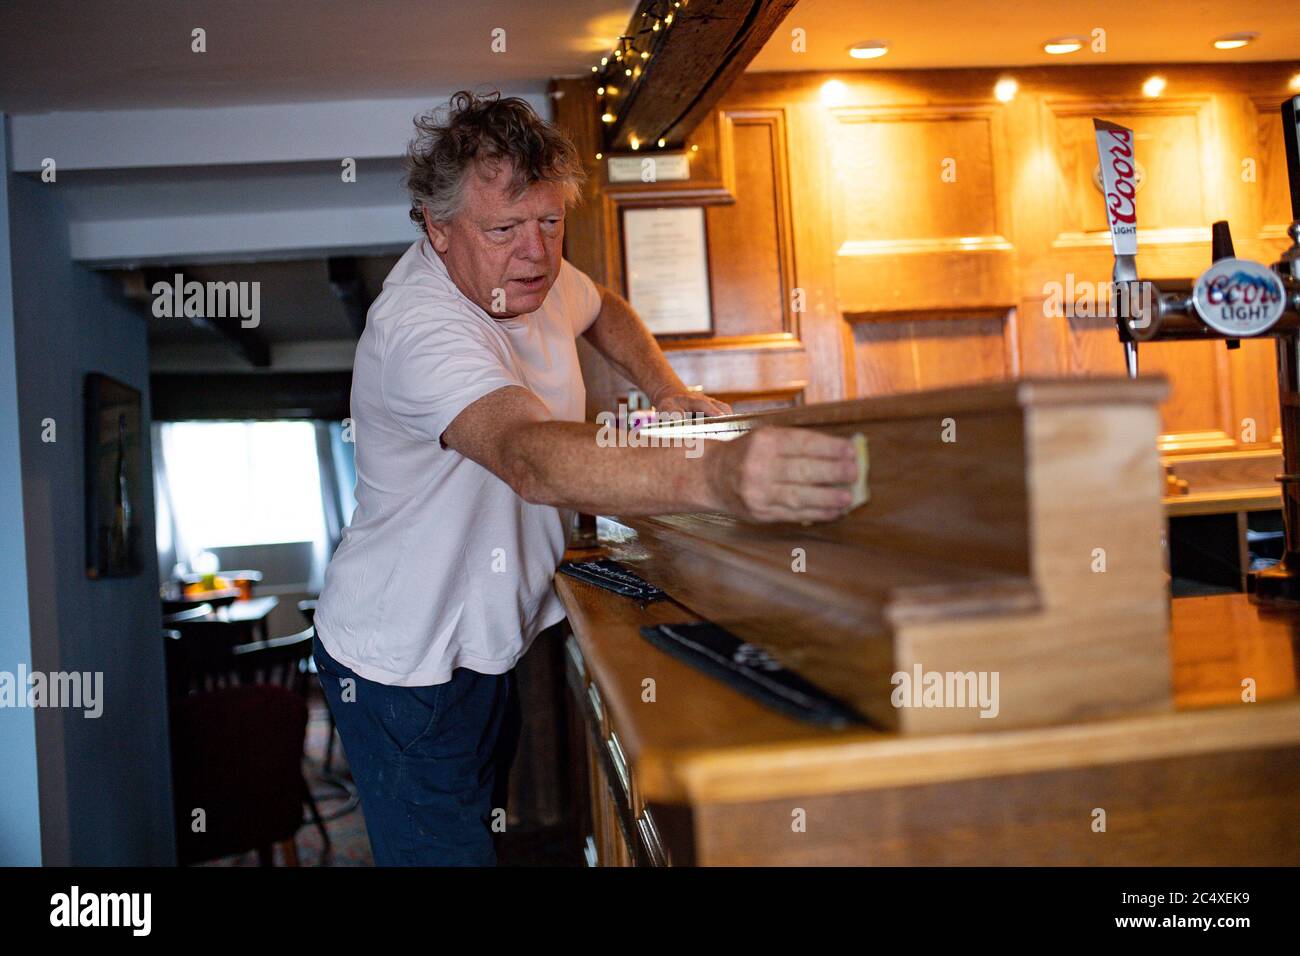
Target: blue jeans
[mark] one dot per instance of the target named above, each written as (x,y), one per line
(431,764)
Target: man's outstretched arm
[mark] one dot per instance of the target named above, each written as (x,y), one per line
(770,474)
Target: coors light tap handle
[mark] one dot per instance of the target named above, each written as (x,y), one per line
(1119,183)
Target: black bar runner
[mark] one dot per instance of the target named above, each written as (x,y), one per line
(752,671)
(613,576)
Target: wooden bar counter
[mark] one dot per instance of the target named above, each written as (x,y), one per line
(703,775)
(684,770)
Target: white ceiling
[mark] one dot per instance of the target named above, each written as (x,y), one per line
(994,33)
(135,54)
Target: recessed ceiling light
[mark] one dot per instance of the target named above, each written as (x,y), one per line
(1234,41)
(1295,83)
(869,49)
(1154,86)
(1005,89)
(1061,45)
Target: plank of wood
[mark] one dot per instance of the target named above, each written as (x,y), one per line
(1013,533)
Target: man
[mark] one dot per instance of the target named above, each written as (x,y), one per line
(472,453)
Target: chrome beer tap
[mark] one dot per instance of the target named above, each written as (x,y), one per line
(1233,299)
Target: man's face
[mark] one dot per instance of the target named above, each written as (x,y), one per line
(503,252)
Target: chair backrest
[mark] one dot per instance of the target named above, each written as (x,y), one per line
(188,615)
(209,656)
(308,610)
(237,759)
(199,657)
(281,661)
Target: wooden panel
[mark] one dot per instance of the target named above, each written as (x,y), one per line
(905,354)
(1198,413)
(917,196)
(1254,389)
(1270,174)
(1168,143)
(889,168)
(755,355)
(748,239)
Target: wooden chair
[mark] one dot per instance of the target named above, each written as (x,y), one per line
(238,708)
(237,768)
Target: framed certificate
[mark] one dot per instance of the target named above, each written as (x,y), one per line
(666,264)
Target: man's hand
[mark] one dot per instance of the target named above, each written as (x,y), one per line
(785,474)
(685,404)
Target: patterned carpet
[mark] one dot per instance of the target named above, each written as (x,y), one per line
(551,846)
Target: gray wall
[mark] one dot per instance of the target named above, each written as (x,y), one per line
(20,835)
(105,784)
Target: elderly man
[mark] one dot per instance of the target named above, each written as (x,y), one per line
(472,454)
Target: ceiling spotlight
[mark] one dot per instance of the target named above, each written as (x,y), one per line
(1005,89)
(1295,83)
(1062,45)
(869,49)
(1154,86)
(1234,41)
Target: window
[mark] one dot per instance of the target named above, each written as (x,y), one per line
(240,483)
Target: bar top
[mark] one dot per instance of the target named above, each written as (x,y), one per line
(701,741)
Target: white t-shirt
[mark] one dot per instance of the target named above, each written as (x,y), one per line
(443,565)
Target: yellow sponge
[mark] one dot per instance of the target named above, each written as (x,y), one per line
(861,490)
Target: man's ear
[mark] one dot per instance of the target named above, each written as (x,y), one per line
(437,233)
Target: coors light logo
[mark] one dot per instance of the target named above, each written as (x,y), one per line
(1119,182)
(1237,297)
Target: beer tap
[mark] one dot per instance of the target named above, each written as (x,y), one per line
(1233,299)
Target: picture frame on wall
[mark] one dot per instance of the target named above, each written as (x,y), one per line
(114,479)
(666,268)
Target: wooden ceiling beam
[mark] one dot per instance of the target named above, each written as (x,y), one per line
(693,60)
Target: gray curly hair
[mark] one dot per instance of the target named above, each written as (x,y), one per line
(484,129)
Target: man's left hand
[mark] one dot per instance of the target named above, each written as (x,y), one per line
(682,404)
